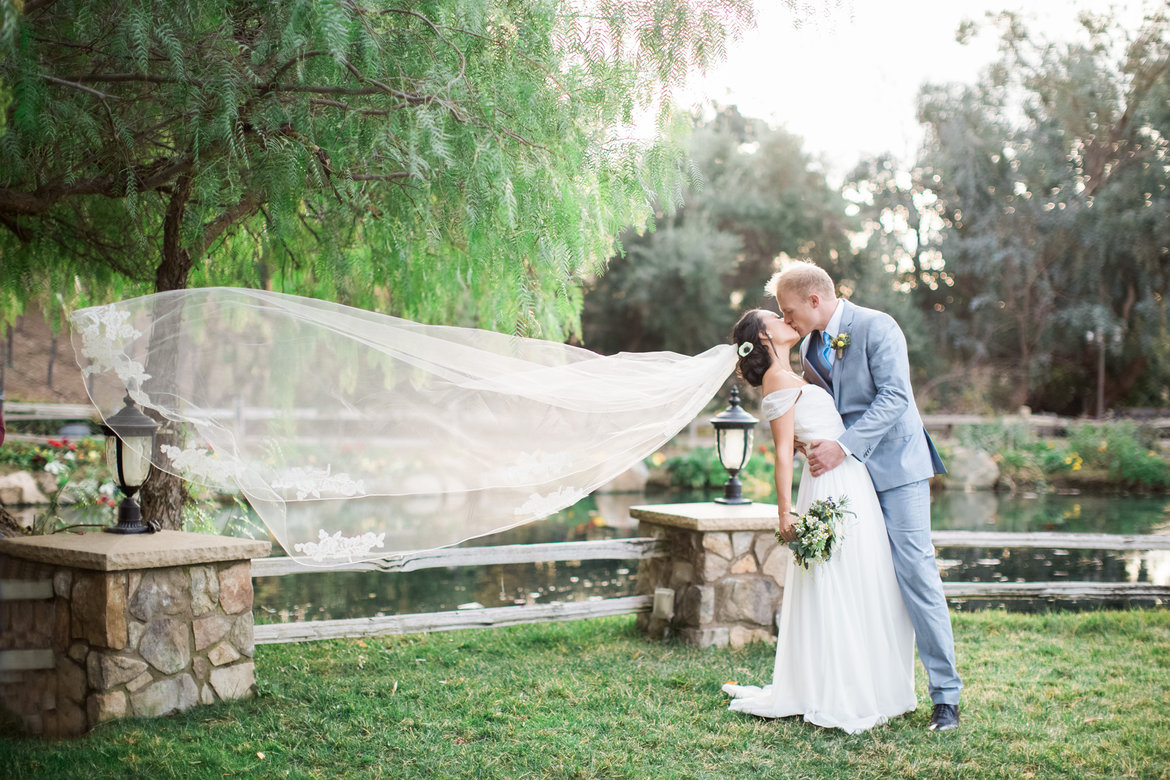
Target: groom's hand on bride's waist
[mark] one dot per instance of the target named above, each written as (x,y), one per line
(824,455)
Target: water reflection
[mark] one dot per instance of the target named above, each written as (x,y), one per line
(1055,513)
(1078,513)
(318,596)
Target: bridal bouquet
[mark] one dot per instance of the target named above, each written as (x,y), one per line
(818,531)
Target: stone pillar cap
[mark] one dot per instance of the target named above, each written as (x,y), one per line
(710,516)
(118,552)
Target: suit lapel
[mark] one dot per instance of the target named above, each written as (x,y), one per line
(809,371)
(847,314)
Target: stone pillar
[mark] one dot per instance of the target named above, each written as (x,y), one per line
(100,626)
(721,582)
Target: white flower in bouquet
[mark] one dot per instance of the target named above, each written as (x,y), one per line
(818,531)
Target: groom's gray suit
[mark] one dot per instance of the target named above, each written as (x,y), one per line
(870,383)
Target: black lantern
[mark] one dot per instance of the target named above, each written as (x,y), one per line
(734,429)
(129,445)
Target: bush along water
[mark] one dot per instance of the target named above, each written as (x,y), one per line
(77,477)
(1126,451)
(1118,454)
(700,469)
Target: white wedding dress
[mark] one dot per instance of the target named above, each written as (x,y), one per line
(845,650)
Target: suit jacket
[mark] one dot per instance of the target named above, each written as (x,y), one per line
(871,387)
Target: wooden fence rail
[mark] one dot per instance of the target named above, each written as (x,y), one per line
(1055,590)
(607,549)
(1059,541)
(1049,423)
(273,633)
(1045,424)
(18,410)
(642,547)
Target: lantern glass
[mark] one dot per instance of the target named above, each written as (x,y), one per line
(735,445)
(134,456)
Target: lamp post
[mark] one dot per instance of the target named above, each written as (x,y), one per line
(734,429)
(129,445)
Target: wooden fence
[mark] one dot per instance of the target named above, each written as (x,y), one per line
(1045,424)
(639,548)
(1040,424)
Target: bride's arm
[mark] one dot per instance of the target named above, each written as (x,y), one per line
(783,438)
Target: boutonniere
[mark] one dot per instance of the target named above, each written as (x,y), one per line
(838,343)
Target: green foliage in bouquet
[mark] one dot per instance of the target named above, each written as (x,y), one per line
(819,531)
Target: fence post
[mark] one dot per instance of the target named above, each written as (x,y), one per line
(723,570)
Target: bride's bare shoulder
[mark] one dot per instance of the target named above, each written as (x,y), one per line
(777,378)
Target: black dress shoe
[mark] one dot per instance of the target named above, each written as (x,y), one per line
(945,717)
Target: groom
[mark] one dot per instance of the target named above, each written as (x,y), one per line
(859,356)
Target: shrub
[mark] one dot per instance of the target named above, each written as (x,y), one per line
(1126,451)
(700,469)
(1123,451)
(79,475)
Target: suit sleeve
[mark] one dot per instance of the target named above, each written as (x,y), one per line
(889,367)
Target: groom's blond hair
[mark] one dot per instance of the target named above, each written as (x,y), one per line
(803,278)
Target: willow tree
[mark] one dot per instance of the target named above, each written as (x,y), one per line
(413,156)
(458,161)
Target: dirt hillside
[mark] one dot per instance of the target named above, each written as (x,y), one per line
(25,371)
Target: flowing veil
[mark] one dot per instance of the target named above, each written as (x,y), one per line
(355,434)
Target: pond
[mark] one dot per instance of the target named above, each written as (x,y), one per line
(325,595)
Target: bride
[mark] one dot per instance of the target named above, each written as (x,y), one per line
(845,651)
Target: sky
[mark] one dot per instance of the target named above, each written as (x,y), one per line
(848,81)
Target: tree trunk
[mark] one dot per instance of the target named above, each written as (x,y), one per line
(164,494)
(1119,384)
(52,359)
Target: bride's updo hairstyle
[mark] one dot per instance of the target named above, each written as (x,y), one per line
(756,362)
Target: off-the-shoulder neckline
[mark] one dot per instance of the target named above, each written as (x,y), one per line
(799,389)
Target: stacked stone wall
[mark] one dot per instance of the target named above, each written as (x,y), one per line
(136,643)
(726,585)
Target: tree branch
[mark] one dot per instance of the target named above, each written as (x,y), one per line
(345,107)
(276,74)
(434,28)
(248,205)
(378,176)
(147,177)
(100,95)
(119,78)
(407,96)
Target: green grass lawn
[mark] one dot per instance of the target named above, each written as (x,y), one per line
(1049,696)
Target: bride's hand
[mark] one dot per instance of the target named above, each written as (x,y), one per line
(786,531)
